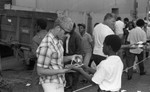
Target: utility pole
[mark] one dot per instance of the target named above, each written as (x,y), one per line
(135,9)
(148,9)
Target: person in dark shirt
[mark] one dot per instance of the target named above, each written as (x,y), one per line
(41,25)
(74,42)
(72,45)
(87,44)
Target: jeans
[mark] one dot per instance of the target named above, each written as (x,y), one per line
(130,61)
(35,81)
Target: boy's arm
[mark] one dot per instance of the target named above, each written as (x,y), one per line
(90,70)
(91,41)
(85,74)
(126,46)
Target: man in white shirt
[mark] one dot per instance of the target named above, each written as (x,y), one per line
(136,35)
(99,33)
(119,26)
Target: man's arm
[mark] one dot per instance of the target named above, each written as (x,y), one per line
(91,41)
(86,75)
(84,71)
(67,58)
(50,72)
(90,70)
(34,46)
(44,58)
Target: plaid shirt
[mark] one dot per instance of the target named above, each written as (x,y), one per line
(50,56)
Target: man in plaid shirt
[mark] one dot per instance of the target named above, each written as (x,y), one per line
(50,59)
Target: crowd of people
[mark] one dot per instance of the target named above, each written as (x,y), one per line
(112,47)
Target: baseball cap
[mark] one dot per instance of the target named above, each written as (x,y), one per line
(83,25)
(65,22)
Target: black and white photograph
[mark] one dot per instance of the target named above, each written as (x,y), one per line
(74,45)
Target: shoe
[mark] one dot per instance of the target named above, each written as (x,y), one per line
(84,81)
(143,73)
(68,87)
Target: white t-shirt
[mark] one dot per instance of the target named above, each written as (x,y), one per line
(99,34)
(108,74)
(136,35)
(119,25)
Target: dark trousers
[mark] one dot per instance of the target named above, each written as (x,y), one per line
(35,81)
(130,61)
(97,58)
(103,91)
(72,80)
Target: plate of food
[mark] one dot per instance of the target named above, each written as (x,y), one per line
(77,61)
(139,44)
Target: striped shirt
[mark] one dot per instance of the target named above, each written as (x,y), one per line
(50,56)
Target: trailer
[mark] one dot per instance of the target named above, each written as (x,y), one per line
(17,29)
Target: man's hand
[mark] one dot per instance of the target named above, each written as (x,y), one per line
(65,71)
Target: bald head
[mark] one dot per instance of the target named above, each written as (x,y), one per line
(109,16)
(109,20)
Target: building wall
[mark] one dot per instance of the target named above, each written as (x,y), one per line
(77,9)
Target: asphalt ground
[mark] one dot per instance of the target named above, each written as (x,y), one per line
(15,73)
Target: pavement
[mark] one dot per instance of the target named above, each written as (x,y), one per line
(15,72)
